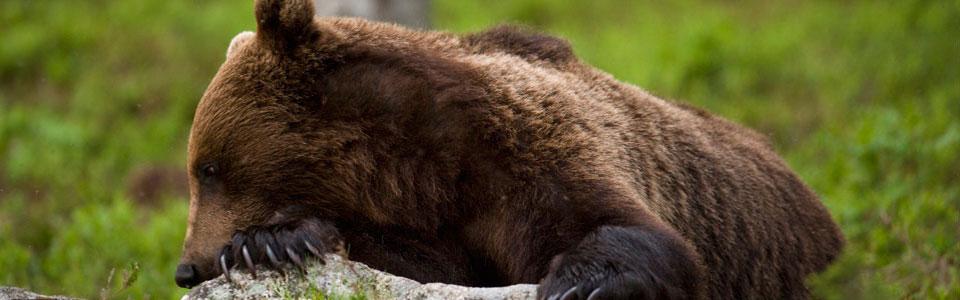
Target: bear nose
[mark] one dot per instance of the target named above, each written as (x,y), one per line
(186,276)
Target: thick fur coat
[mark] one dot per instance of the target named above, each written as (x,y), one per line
(487,159)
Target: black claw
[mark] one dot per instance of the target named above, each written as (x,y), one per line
(295,258)
(246,258)
(316,253)
(594,293)
(273,258)
(313,250)
(554,297)
(223,266)
(570,294)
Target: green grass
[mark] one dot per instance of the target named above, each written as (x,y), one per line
(862,98)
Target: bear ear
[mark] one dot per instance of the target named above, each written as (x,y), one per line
(284,24)
(237,41)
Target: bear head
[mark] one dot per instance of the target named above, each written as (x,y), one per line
(330,118)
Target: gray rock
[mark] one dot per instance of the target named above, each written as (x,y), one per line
(10,293)
(410,13)
(342,279)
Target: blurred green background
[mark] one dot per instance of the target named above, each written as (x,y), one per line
(861,97)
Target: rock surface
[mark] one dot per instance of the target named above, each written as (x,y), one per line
(10,293)
(342,279)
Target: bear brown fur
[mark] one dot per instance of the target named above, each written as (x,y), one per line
(487,159)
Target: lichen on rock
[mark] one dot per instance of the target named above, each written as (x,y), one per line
(10,293)
(338,278)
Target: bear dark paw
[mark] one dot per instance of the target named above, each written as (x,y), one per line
(623,263)
(279,246)
(598,282)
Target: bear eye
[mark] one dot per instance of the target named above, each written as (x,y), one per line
(208,172)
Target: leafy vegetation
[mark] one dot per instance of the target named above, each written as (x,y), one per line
(861,97)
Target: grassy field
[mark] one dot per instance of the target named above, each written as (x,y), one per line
(862,98)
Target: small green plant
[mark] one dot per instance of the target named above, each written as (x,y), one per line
(129,276)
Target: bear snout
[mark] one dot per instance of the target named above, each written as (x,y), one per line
(187,276)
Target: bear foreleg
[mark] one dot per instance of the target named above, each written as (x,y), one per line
(635,262)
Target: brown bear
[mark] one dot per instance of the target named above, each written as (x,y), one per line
(487,159)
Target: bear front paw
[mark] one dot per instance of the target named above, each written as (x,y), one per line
(277,246)
(623,263)
(595,281)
